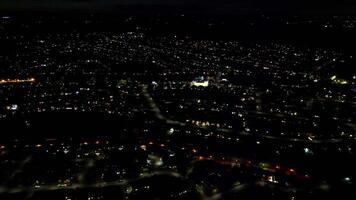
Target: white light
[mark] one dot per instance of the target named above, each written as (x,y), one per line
(347,179)
(202,84)
(12,107)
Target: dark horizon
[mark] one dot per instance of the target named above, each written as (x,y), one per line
(346,7)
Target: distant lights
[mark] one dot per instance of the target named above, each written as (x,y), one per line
(272,179)
(143,147)
(12,107)
(171,131)
(347,179)
(159,162)
(307,150)
(14,81)
(200,83)
(339,81)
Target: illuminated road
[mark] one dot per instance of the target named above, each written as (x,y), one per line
(16,81)
(54,187)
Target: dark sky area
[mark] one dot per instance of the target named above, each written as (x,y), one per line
(340,6)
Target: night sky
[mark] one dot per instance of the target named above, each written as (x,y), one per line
(346,6)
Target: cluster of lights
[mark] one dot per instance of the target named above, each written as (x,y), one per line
(336,80)
(13,81)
